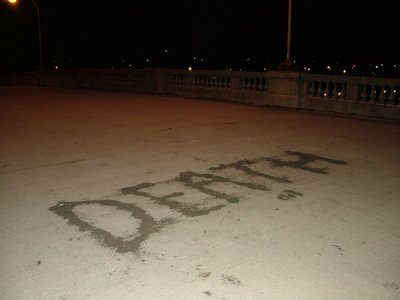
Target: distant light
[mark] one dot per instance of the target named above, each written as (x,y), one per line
(381,65)
(130,65)
(12,1)
(166,51)
(344,71)
(194,58)
(248,59)
(394,66)
(353,67)
(190,68)
(329,68)
(147,60)
(265,69)
(56,67)
(376,67)
(325,94)
(308,69)
(339,93)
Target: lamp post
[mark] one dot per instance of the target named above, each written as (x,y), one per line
(287,65)
(13,2)
(289,33)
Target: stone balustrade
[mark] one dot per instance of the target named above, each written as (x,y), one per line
(324,87)
(371,97)
(365,90)
(379,92)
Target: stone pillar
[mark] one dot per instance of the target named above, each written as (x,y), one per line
(284,88)
(153,80)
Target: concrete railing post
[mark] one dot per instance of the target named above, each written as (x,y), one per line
(353,90)
(235,81)
(153,80)
(285,87)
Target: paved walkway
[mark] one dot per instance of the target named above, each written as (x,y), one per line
(107,195)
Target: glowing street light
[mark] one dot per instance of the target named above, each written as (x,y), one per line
(14,2)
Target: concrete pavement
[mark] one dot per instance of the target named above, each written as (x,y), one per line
(107,195)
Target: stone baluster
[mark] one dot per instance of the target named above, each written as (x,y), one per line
(235,82)
(372,95)
(391,94)
(343,92)
(251,83)
(363,94)
(228,82)
(324,89)
(319,89)
(335,93)
(380,96)
(385,93)
(244,83)
(258,84)
(310,90)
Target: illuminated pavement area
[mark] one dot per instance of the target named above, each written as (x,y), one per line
(108,195)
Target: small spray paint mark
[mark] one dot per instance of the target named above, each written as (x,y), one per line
(231,279)
(289,194)
(337,247)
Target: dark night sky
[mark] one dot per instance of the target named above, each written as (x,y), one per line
(105,33)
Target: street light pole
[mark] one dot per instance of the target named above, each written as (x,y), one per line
(39,29)
(288,64)
(289,33)
(39,33)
